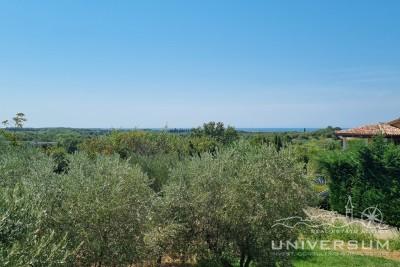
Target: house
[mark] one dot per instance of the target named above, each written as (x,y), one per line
(389,130)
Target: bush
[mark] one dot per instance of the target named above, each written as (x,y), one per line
(97,212)
(106,203)
(227,203)
(25,239)
(370,174)
(89,209)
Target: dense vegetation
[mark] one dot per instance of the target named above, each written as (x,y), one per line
(370,173)
(207,196)
(129,197)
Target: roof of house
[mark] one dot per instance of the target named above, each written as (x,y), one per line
(385,129)
(395,123)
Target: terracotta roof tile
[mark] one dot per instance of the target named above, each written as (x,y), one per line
(395,123)
(371,130)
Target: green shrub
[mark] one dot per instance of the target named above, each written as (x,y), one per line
(106,204)
(370,174)
(97,212)
(227,203)
(25,239)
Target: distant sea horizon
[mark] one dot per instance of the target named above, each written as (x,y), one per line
(276,130)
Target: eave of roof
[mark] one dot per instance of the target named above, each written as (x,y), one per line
(395,123)
(384,129)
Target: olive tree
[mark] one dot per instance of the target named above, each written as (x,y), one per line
(25,240)
(106,204)
(227,203)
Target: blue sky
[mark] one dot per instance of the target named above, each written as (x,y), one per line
(246,63)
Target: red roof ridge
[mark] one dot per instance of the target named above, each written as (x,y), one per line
(370,130)
(395,123)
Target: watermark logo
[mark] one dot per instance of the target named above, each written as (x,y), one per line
(371,218)
(342,232)
(330,244)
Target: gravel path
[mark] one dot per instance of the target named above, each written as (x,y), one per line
(380,231)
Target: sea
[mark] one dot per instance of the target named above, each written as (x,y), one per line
(276,130)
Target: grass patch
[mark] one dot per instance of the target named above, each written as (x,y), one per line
(335,259)
(395,244)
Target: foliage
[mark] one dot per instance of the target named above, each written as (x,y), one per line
(332,258)
(97,212)
(25,239)
(101,198)
(370,174)
(59,156)
(328,132)
(156,153)
(395,243)
(19,121)
(226,204)
(106,205)
(18,163)
(217,131)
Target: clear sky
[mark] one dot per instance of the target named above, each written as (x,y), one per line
(246,63)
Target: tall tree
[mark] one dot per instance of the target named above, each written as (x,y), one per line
(19,120)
